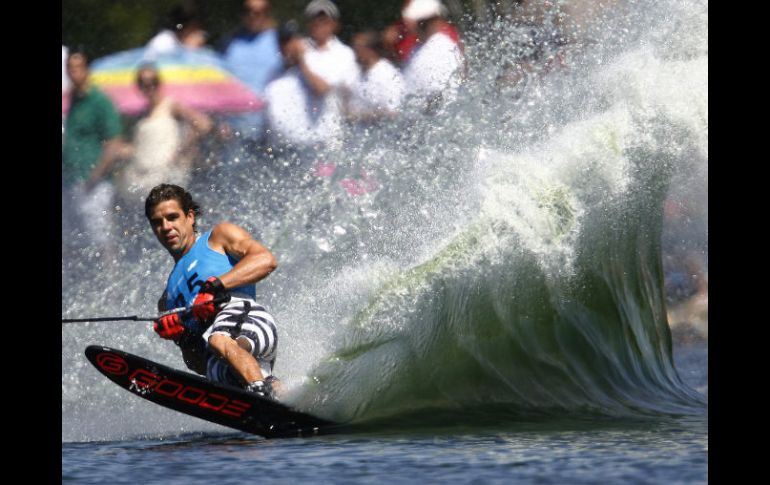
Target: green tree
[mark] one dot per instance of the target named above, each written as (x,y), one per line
(106,26)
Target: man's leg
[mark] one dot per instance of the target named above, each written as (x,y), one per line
(95,212)
(243,335)
(239,358)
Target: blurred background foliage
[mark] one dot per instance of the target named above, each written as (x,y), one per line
(106,26)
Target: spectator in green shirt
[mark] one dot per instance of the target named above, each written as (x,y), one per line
(92,136)
(92,145)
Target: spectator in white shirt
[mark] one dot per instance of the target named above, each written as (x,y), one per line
(378,93)
(435,69)
(326,66)
(295,115)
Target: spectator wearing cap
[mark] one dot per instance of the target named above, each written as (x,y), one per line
(299,122)
(402,36)
(326,65)
(253,55)
(435,68)
(378,93)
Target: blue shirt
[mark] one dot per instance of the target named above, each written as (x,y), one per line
(192,270)
(256,60)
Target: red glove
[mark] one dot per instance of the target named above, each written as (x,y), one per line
(169,327)
(204,308)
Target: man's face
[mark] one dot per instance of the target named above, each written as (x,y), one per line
(363,53)
(77,70)
(256,15)
(172,227)
(321,28)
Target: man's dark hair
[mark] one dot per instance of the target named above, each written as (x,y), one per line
(287,31)
(163,192)
(79,51)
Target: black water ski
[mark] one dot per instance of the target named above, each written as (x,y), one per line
(196,396)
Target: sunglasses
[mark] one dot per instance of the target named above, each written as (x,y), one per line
(151,83)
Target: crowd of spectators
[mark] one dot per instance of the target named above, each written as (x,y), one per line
(313,85)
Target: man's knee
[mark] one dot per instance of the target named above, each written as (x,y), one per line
(220,343)
(245,343)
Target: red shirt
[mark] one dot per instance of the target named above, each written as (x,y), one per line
(410,40)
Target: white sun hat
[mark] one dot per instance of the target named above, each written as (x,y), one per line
(423,9)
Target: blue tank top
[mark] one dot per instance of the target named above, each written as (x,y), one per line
(192,270)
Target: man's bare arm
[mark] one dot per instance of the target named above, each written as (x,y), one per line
(255,261)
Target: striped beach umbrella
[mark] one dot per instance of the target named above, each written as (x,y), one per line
(196,78)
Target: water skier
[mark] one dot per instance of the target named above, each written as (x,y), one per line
(228,336)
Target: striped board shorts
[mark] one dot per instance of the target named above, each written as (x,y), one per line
(244,318)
